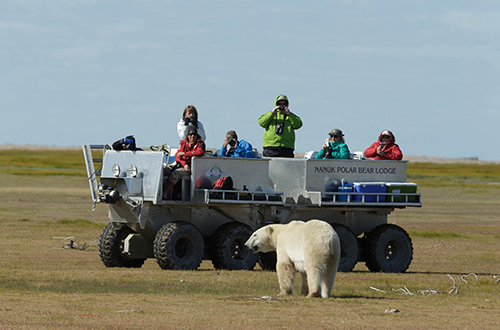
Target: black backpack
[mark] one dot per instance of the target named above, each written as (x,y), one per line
(127,143)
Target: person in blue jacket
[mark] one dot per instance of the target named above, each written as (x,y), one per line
(234,148)
(334,147)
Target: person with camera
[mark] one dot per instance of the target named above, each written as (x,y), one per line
(280,125)
(384,148)
(190,147)
(334,147)
(231,147)
(190,118)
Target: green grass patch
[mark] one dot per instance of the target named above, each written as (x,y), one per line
(42,171)
(434,175)
(79,223)
(433,234)
(42,162)
(62,159)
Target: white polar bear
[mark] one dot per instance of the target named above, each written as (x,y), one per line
(312,248)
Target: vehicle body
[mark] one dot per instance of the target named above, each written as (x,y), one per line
(201,223)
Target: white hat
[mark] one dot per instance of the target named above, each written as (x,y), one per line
(386,132)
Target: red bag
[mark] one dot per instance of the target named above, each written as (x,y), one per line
(224,183)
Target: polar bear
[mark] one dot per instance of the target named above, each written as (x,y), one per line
(312,248)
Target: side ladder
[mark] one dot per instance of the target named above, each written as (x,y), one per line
(92,173)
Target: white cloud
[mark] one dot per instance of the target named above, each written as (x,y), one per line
(131,111)
(112,31)
(22,27)
(77,52)
(141,45)
(484,22)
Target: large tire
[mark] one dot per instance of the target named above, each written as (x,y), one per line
(229,250)
(268,260)
(348,248)
(178,246)
(389,249)
(111,247)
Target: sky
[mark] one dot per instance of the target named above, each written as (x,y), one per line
(76,72)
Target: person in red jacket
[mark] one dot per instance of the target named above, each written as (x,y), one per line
(190,147)
(384,148)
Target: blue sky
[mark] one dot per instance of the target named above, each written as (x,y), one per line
(80,72)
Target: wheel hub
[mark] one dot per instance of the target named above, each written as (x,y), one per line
(238,250)
(391,251)
(183,247)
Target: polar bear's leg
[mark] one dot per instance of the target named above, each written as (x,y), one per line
(329,276)
(314,276)
(305,287)
(286,277)
(327,283)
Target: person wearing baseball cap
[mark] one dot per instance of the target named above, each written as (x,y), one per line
(384,148)
(231,147)
(334,147)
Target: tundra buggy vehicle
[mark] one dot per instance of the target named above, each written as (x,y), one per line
(354,196)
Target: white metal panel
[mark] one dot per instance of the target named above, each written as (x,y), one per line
(149,165)
(252,173)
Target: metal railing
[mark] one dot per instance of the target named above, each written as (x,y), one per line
(371,199)
(242,197)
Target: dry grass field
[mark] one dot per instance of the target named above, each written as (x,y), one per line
(45,285)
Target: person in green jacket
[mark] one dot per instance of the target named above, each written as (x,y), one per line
(334,147)
(280,125)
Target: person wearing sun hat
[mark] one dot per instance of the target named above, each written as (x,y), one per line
(384,148)
(334,147)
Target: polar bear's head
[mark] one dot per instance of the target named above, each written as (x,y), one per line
(261,240)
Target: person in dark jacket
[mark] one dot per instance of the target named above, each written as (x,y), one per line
(384,148)
(335,147)
(231,147)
